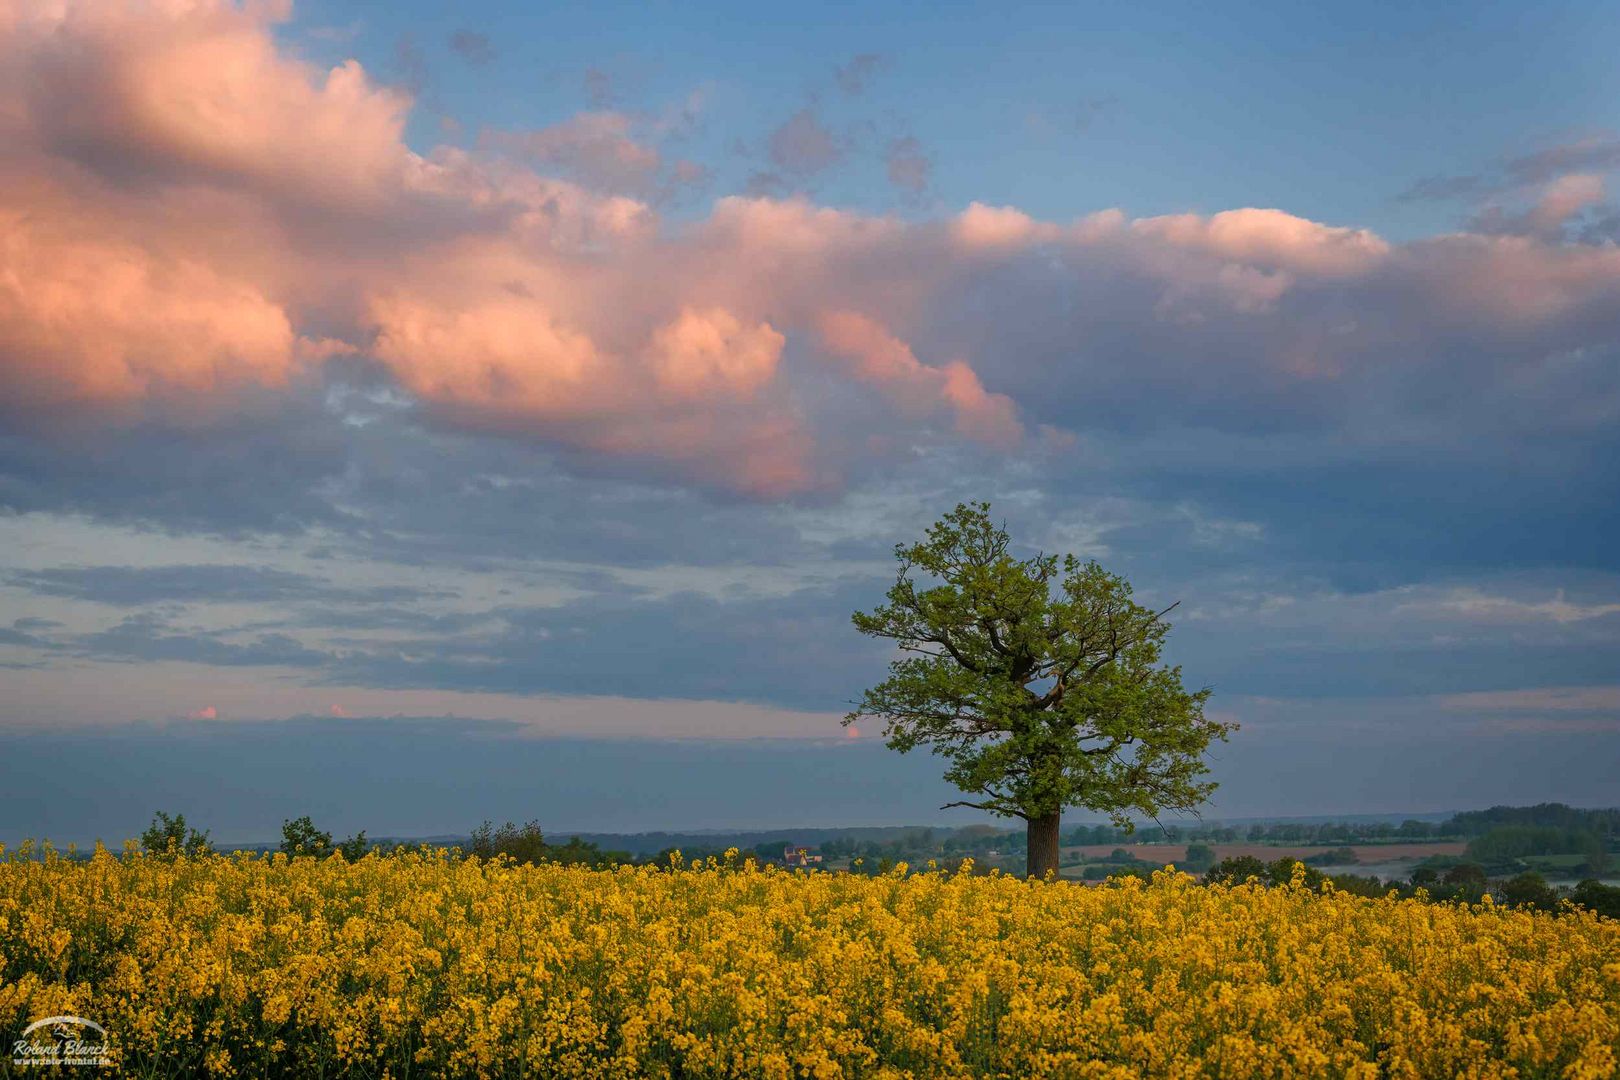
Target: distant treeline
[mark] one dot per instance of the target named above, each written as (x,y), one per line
(1462,882)
(1504,841)
(1602,824)
(1605,823)
(1496,838)
(894,841)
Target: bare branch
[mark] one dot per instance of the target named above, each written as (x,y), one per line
(991,807)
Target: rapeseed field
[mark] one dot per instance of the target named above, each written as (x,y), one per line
(425,964)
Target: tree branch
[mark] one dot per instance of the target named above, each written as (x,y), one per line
(991,807)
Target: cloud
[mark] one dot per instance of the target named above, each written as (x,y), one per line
(703,353)
(410,64)
(1600,151)
(206,233)
(1270,240)
(207,712)
(854,76)
(196,92)
(599,88)
(149,638)
(909,167)
(1557,204)
(1536,194)
(596,148)
(1442,188)
(20,635)
(803,146)
(88,320)
(877,357)
(473,47)
(1075,120)
(1475,604)
(1554,699)
(136,586)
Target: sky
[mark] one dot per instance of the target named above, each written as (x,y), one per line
(418,414)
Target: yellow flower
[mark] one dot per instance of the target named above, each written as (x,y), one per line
(422,963)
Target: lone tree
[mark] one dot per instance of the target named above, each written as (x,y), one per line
(1039,680)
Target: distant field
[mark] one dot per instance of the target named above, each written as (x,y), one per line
(1176,853)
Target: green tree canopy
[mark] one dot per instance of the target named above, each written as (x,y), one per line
(169,836)
(299,836)
(1038,679)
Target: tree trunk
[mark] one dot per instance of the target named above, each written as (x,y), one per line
(1042,840)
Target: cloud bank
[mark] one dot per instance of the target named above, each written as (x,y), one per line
(192,217)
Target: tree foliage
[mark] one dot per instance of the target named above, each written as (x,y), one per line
(1038,679)
(299,836)
(170,836)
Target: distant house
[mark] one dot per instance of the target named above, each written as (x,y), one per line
(798,856)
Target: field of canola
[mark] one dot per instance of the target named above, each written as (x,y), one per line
(423,965)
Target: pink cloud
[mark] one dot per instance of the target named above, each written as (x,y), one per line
(207,712)
(202,91)
(711,352)
(1569,195)
(1270,239)
(599,148)
(88,317)
(189,214)
(875,356)
(981,226)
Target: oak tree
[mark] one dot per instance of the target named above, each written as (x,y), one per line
(1039,680)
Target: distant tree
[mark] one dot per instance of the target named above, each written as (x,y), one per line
(1238,869)
(1039,680)
(1596,896)
(354,847)
(522,844)
(665,858)
(1200,857)
(170,836)
(578,852)
(1464,874)
(1528,890)
(1235,870)
(1597,861)
(299,836)
(1359,885)
(1552,815)
(1505,842)
(1282,872)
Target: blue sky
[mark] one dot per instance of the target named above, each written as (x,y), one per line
(384,385)
(1331,114)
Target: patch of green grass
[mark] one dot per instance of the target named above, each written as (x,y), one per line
(1554,862)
